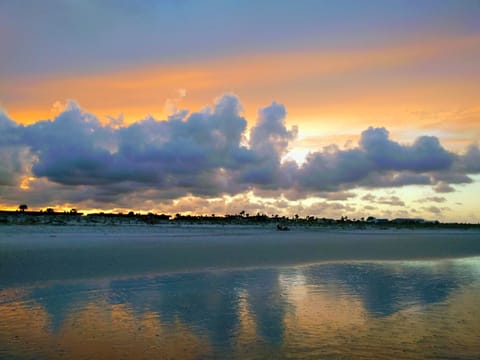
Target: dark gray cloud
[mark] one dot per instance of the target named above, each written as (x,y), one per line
(10,166)
(425,154)
(12,154)
(381,162)
(6,128)
(443,187)
(208,154)
(334,169)
(470,161)
(200,153)
(396,179)
(72,149)
(269,140)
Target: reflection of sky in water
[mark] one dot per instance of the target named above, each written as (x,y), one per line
(252,312)
(383,290)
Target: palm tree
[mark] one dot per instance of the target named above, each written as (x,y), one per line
(23,207)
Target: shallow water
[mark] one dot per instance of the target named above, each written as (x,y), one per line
(387,309)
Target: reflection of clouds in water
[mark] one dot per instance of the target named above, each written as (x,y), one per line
(209,301)
(59,300)
(95,331)
(206,302)
(248,311)
(385,288)
(268,305)
(318,308)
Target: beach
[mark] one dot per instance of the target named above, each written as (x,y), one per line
(44,253)
(202,291)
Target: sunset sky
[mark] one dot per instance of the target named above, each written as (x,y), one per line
(323,108)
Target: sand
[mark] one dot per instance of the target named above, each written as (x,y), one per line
(31,254)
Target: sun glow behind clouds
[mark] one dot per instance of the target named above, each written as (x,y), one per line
(338,67)
(181,163)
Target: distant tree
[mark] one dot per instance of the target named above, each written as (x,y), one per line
(73,211)
(49,211)
(23,207)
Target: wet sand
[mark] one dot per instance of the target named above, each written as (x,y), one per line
(29,254)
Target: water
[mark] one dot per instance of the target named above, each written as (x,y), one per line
(387,309)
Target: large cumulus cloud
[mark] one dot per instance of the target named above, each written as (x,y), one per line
(13,155)
(269,141)
(379,161)
(209,153)
(425,154)
(72,149)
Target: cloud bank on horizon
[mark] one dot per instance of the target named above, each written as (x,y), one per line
(75,158)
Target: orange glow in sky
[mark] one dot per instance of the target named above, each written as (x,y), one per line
(336,69)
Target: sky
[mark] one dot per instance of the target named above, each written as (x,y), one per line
(317,108)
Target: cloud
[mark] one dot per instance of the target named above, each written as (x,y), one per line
(392,201)
(470,161)
(73,149)
(270,136)
(437,199)
(334,169)
(443,187)
(339,196)
(75,157)
(425,154)
(381,162)
(387,200)
(12,154)
(171,105)
(331,209)
(433,210)
(269,140)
